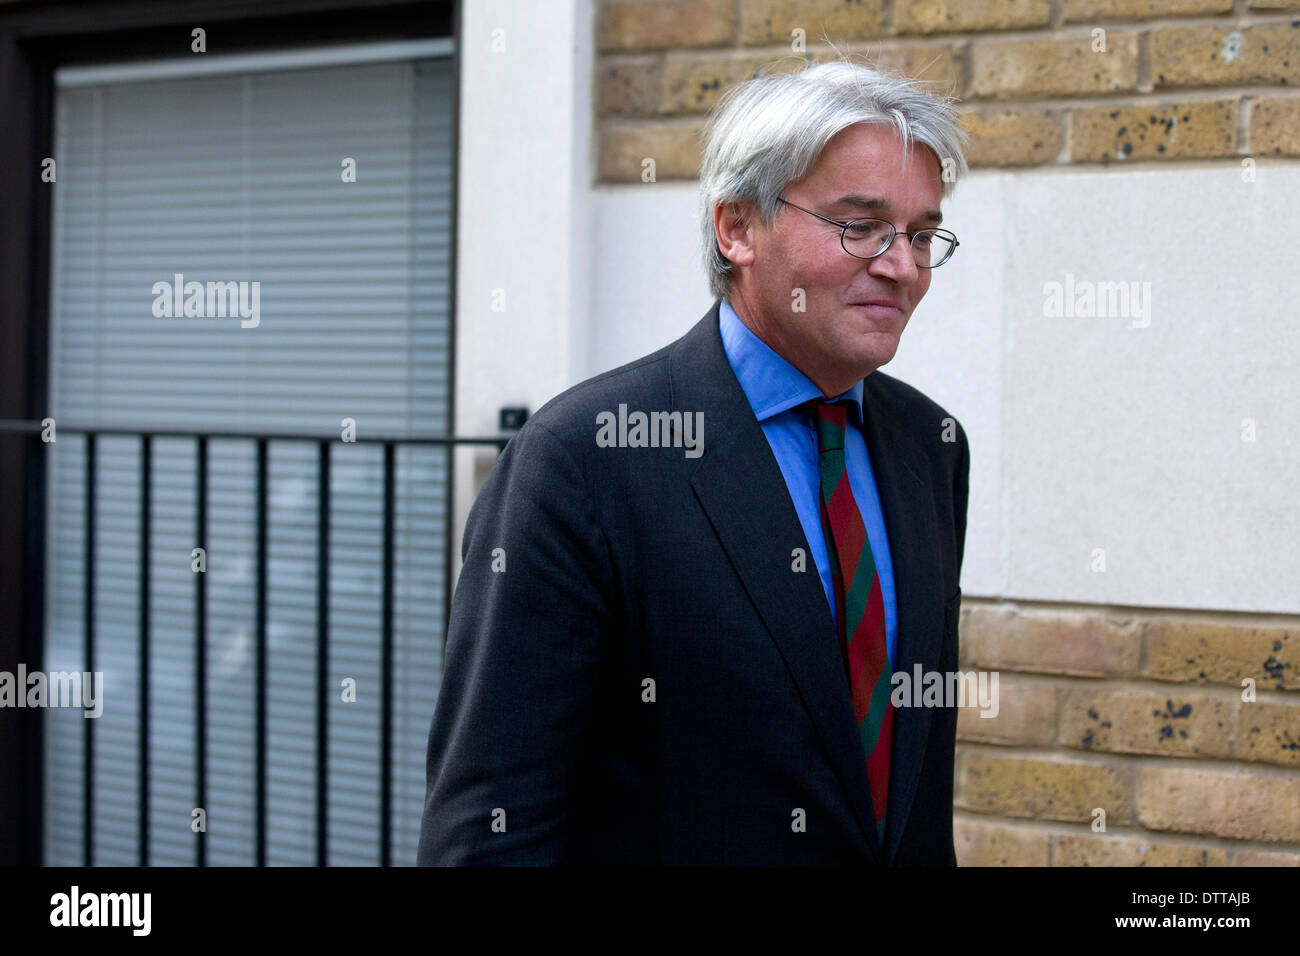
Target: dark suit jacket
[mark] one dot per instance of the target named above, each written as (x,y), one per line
(629,565)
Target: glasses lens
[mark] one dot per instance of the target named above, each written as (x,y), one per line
(866,238)
(931,248)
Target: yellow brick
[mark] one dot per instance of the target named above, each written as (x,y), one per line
(1167,131)
(664,24)
(996,844)
(1043,788)
(1275,126)
(1100,849)
(1225,55)
(1055,67)
(936,66)
(630,87)
(1139,722)
(1026,715)
(1236,806)
(946,16)
(1013,136)
(774,21)
(1199,652)
(694,82)
(1269,731)
(1076,10)
(1265,858)
(675,149)
(1049,642)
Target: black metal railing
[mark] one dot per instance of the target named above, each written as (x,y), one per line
(261,443)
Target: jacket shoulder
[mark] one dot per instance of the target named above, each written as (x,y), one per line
(920,414)
(641,383)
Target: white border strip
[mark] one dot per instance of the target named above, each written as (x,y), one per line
(202,64)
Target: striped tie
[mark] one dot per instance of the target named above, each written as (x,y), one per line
(859,607)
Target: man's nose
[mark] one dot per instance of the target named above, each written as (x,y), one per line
(897,261)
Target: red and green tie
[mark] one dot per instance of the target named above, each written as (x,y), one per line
(859,604)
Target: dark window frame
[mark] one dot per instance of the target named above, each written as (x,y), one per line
(35,39)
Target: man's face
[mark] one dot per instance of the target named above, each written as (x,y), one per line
(841,338)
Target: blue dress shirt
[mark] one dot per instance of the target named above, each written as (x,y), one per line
(774,387)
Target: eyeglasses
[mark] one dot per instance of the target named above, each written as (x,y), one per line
(869,238)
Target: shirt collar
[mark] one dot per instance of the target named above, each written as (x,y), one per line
(771,384)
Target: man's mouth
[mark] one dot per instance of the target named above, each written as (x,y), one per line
(881,308)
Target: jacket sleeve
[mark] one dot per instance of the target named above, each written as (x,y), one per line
(528,629)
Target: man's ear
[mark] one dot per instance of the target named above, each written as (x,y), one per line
(732,227)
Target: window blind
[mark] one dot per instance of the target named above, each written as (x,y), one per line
(230,179)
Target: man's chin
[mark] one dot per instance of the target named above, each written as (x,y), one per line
(863,361)
(876,347)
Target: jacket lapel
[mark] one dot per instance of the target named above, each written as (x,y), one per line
(741,489)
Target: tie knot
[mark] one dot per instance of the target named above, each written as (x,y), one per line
(830,419)
(822,410)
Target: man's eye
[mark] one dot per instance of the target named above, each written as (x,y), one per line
(923,239)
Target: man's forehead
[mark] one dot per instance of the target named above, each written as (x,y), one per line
(870,203)
(864,167)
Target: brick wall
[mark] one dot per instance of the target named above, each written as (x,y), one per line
(1136,713)
(1140,715)
(1041,81)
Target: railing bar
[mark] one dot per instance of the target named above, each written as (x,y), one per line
(146,489)
(324,692)
(448,545)
(261,649)
(88,625)
(386,673)
(386,666)
(201,644)
(23,425)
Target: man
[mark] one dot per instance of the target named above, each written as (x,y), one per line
(673,635)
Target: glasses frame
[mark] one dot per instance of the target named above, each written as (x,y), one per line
(893,234)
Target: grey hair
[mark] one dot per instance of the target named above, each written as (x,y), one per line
(769,131)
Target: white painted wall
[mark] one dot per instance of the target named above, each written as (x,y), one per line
(524,217)
(1086,432)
